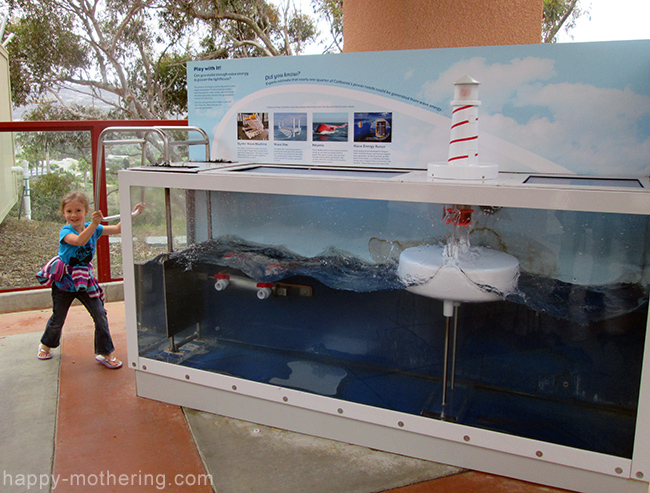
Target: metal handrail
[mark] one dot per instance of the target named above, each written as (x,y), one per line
(146,131)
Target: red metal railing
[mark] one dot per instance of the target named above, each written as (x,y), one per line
(95,128)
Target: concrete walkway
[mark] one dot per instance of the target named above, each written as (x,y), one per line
(28,406)
(69,424)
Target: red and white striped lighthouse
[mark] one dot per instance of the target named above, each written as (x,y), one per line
(463,142)
(463,161)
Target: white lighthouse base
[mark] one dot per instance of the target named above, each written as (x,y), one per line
(474,172)
(482,274)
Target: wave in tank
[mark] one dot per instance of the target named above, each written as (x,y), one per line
(340,270)
(335,268)
(577,303)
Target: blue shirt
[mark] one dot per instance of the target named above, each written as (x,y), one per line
(78,255)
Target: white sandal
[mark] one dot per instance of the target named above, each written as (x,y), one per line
(112,363)
(43,353)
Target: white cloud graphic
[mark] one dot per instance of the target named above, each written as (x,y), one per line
(588,129)
(591,130)
(500,83)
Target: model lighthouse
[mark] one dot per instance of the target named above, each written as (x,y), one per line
(463,143)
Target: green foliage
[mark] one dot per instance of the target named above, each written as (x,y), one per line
(44,49)
(301,29)
(72,43)
(332,12)
(559,14)
(49,110)
(130,56)
(170,80)
(241,28)
(46,194)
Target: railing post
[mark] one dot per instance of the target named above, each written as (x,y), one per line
(103,250)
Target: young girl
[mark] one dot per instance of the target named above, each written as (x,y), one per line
(70,276)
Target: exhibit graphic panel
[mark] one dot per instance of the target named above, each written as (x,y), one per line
(564,108)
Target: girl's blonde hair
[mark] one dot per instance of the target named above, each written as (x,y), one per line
(75,195)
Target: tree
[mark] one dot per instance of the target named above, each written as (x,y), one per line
(558,14)
(74,44)
(131,55)
(242,28)
(332,12)
(111,50)
(39,48)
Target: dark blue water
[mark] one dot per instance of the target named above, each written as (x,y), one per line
(553,361)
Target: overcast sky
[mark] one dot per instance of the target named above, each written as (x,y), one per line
(610,20)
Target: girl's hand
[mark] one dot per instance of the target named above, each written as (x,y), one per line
(96,217)
(137,210)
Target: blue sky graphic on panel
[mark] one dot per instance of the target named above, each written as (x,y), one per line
(578,108)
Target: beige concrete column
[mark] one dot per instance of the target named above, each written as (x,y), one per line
(379,25)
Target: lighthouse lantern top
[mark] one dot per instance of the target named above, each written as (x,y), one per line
(466,91)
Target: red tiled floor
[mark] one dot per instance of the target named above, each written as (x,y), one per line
(108,436)
(476,482)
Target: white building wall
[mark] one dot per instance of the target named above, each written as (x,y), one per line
(8,178)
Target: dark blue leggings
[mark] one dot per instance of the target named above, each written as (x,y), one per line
(61,301)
